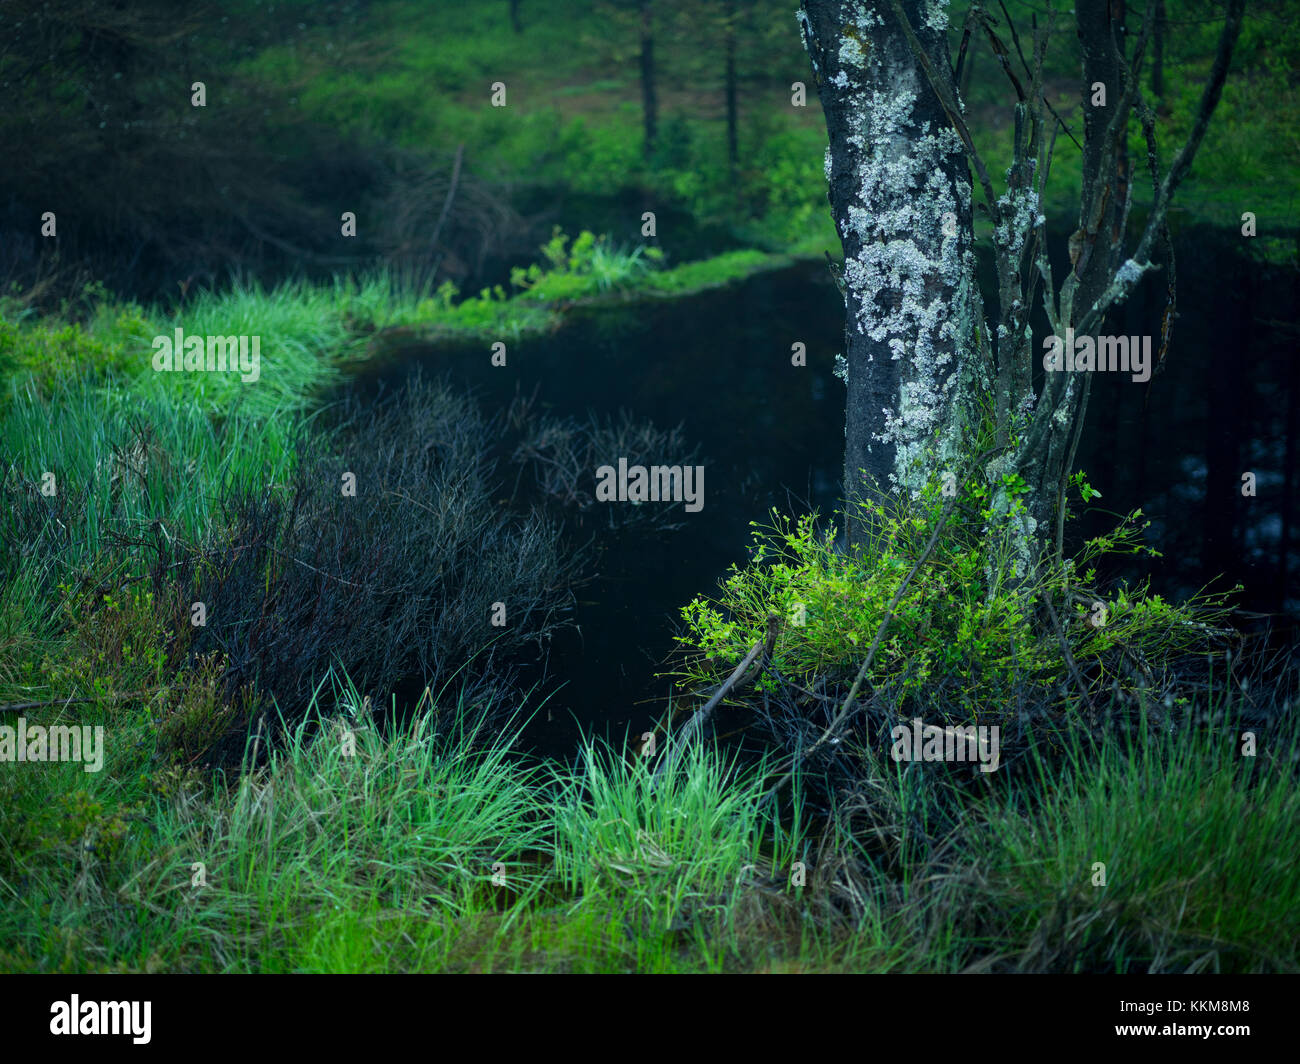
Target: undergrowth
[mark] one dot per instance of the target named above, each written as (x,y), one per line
(964,641)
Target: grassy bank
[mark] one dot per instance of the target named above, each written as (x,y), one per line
(309,330)
(429,850)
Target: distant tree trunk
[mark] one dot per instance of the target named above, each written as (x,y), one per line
(733,149)
(900,193)
(1158,52)
(649,103)
(515,24)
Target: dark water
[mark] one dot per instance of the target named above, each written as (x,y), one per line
(1227,404)
(771,435)
(768,435)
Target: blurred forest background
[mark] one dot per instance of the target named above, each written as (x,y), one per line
(612,108)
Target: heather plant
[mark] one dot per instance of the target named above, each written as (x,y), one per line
(397,579)
(176,543)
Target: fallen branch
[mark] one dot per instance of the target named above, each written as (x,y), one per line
(1069,658)
(764,646)
(15,707)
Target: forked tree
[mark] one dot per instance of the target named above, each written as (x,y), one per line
(936,384)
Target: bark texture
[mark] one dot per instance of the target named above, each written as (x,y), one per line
(901,196)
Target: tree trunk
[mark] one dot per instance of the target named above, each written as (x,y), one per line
(1096,250)
(649,103)
(900,193)
(925,375)
(733,151)
(1158,52)
(1105,154)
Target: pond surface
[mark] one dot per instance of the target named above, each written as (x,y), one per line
(771,435)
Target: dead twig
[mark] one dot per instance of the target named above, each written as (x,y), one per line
(764,646)
(14,707)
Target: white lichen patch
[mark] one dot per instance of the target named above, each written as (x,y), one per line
(936,15)
(851,53)
(909,276)
(1061,415)
(805,32)
(1128,275)
(1019,211)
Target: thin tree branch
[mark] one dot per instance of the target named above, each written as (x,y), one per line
(451,195)
(14,707)
(1182,163)
(697,721)
(950,108)
(1069,658)
(871,654)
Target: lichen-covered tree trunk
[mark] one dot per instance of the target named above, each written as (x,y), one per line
(929,382)
(901,197)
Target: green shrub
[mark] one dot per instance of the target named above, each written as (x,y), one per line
(39,354)
(964,640)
